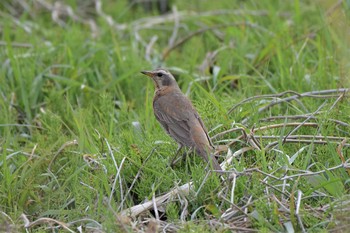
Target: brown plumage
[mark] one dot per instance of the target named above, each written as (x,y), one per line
(178,117)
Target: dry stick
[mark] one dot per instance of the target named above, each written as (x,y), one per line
(229,159)
(337,100)
(284,125)
(184,211)
(247,171)
(346,164)
(260,97)
(301,117)
(316,94)
(28,224)
(200,31)
(258,129)
(332,138)
(86,220)
(340,153)
(274,188)
(246,207)
(233,209)
(253,141)
(138,209)
(228,131)
(169,227)
(280,203)
(308,173)
(302,141)
(304,122)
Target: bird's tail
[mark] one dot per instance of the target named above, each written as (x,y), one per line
(209,158)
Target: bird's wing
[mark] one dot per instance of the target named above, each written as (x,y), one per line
(204,129)
(174,114)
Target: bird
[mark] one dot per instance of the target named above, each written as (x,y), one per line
(178,117)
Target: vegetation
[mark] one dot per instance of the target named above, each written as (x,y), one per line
(79,144)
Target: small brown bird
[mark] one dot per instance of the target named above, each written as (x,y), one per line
(178,117)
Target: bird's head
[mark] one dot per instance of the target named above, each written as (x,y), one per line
(162,78)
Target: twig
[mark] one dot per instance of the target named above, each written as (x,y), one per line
(229,159)
(272,144)
(340,153)
(282,125)
(331,93)
(138,209)
(253,141)
(227,131)
(304,122)
(303,116)
(337,100)
(317,137)
(308,173)
(184,205)
(201,31)
(260,97)
(315,94)
(28,224)
(280,203)
(274,188)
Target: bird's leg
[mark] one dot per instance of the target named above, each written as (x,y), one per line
(175,159)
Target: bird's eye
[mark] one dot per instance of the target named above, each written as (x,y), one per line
(159,74)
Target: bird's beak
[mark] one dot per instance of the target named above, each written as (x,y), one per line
(148,73)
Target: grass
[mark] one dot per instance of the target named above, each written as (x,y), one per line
(63,80)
